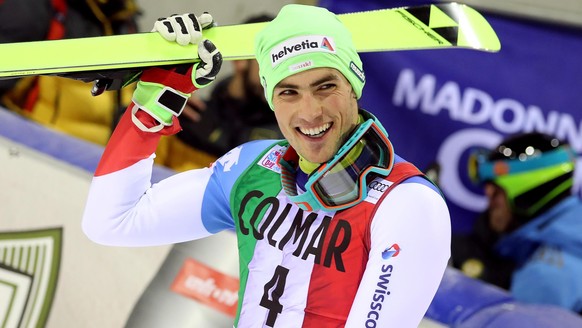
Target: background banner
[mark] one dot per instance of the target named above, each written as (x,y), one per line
(439,104)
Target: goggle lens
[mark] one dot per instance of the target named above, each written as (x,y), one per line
(341,184)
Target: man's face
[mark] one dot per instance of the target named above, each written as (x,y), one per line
(500,215)
(316,110)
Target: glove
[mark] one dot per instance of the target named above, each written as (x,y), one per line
(183,29)
(162,92)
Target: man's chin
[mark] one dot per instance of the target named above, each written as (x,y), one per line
(317,157)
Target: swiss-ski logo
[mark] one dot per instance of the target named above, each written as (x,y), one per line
(301,45)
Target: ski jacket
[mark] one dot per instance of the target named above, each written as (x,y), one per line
(377,264)
(548,251)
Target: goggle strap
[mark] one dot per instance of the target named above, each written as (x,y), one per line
(288,172)
(491,169)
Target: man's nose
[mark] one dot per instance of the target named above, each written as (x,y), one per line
(310,108)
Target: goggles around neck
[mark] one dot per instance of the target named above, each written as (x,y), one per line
(341,182)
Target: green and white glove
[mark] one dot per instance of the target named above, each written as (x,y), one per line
(162,92)
(183,29)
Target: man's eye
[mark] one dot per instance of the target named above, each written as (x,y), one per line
(327,86)
(287,92)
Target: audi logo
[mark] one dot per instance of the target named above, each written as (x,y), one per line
(378,186)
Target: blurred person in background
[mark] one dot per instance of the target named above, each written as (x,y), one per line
(529,240)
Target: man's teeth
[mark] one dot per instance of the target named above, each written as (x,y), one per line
(315,131)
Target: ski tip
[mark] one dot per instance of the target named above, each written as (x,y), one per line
(457,24)
(425,27)
(474,29)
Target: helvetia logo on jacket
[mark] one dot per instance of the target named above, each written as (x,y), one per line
(301,45)
(391,251)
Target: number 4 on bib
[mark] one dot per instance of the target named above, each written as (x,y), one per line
(272,293)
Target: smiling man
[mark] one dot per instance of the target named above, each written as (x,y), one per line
(334,229)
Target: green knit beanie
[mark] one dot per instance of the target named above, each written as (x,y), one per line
(304,37)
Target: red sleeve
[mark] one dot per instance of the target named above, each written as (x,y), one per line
(129,144)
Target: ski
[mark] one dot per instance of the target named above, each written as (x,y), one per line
(122,57)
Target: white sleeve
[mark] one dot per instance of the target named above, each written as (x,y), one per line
(122,208)
(412,229)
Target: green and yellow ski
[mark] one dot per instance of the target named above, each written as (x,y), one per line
(422,27)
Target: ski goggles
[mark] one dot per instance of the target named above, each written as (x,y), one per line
(341,182)
(481,169)
(521,178)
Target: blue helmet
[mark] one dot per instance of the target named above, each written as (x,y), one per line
(534,169)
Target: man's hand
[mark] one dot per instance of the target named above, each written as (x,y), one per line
(162,92)
(183,29)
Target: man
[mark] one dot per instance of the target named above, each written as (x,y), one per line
(529,238)
(333,228)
